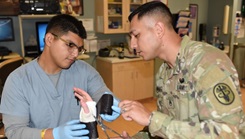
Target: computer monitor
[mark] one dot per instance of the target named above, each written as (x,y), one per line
(41,30)
(6,29)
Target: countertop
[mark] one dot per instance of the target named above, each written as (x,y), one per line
(83,56)
(226,50)
(117,60)
(80,57)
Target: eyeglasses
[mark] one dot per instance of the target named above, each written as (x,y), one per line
(71,46)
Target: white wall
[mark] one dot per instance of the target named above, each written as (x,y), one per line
(177,5)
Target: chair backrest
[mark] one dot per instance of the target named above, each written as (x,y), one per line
(7,66)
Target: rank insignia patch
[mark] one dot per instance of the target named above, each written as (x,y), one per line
(223,94)
(170,102)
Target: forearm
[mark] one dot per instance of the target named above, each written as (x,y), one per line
(22,133)
(164,126)
(30,133)
(16,128)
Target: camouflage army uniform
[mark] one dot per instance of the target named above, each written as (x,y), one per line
(199,98)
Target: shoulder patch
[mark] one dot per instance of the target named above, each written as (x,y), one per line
(223,94)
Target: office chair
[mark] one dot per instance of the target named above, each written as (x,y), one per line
(6,67)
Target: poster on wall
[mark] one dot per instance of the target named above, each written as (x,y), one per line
(9,7)
(71,7)
(164,1)
(193,21)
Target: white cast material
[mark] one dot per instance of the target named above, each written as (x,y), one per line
(88,117)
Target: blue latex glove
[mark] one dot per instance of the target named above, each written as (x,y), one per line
(116,111)
(71,130)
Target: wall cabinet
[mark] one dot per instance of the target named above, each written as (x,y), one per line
(128,80)
(112,15)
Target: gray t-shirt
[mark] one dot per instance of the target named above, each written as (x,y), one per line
(30,97)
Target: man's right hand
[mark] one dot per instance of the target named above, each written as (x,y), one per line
(71,130)
(134,110)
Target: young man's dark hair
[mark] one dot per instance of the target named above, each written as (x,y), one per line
(63,23)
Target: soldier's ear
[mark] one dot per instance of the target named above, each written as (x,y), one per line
(159,29)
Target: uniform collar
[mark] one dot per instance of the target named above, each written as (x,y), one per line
(181,57)
(179,62)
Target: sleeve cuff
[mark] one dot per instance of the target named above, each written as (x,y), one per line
(159,123)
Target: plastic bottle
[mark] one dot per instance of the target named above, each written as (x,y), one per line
(221,46)
(121,53)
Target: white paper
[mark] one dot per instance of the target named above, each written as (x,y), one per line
(88,24)
(90,44)
(104,43)
(93,45)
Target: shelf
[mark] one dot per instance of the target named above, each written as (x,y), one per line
(28,17)
(114,2)
(31,16)
(136,3)
(114,15)
(117,11)
(117,60)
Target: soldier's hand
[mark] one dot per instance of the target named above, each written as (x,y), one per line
(134,110)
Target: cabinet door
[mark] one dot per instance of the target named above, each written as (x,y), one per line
(123,80)
(112,15)
(109,16)
(144,80)
(123,84)
(105,70)
(133,4)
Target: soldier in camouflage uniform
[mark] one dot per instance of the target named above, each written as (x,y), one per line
(197,86)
